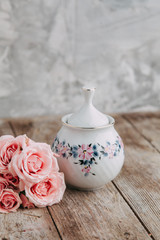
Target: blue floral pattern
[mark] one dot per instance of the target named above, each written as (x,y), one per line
(87,155)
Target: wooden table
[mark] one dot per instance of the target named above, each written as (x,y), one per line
(126,208)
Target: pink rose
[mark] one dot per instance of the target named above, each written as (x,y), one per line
(12,180)
(47,192)
(3,161)
(25,202)
(8,147)
(3,183)
(9,201)
(4,139)
(34,163)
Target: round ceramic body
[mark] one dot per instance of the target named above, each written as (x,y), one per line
(89,158)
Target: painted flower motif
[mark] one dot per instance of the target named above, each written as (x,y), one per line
(105,150)
(92,161)
(62,149)
(95,151)
(120,143)
(85,152)
(86,170)
(74,151)
(110,150)
(55,144)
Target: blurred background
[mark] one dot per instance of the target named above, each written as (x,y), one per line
(49,49)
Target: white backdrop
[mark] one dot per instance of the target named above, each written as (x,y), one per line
(50,48)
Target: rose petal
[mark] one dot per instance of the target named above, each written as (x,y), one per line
(39,154)
(9,201)
(47,192)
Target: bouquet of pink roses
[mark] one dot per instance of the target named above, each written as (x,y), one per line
(29,174)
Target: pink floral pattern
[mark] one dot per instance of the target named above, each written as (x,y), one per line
(85,152)
(62,150)
(87,155)
(86,169)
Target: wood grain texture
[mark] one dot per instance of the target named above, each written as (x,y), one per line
(39,128)
(148,124)
(26,224)
(5,128)
(32,224)
(139,180)
(86,215)
(102,214)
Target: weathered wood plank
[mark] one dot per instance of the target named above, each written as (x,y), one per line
(139,180)
(148,124)
(38,128)
(26,224)
(5,128)
(87,215)
(102,214)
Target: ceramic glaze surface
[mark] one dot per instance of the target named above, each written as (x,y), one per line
(89,158)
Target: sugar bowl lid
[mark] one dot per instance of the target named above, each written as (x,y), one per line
(88,116)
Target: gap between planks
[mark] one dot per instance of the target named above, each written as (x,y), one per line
(134,126)
(54,223)
(125,199)
(12,128)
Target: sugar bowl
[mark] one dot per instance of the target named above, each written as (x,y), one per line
(91,152)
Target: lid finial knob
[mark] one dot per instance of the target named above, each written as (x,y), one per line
(88,94)
(88,116)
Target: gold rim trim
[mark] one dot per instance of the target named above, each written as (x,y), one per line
(65,118)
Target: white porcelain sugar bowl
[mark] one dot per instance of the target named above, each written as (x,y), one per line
(90,150)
